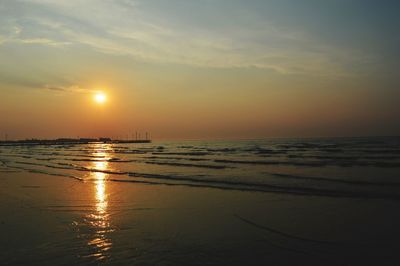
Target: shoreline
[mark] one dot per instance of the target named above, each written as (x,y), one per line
(53,220)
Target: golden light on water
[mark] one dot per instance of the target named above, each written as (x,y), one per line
(101,197)
(99,220)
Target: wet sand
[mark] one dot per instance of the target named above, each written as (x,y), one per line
(50,220)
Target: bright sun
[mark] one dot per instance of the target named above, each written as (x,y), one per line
(100,97)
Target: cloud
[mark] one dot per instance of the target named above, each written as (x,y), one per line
(54,88)
(69,89)
(41,41)
(18,81)
(12,32)
(130,28)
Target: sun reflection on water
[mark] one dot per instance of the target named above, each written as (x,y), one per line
(99,242)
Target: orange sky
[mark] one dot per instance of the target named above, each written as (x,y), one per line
(264,74)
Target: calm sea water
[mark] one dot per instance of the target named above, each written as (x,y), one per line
(342,167)
(278,202)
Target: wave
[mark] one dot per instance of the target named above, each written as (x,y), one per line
(215,183)
(176,158)
(316,163)
(313,163)
(335,180)
(243,165)
(131,152)
(224,150)
(37,171)
(114,160)
(349,157)
(194,153)
(263,187)
(190,165)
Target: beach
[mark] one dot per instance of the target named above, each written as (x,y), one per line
(229,132)
(92,217)
(47,221)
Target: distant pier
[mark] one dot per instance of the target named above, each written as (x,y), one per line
(69,141)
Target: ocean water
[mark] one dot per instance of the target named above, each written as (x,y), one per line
(341,167)
(258,202)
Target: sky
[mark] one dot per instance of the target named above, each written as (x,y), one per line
(206,69)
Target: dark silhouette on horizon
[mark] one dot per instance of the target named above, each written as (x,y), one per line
(62,141)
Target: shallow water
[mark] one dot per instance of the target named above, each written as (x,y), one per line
(353,167)
(279,202)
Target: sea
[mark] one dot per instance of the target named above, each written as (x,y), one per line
(326,167)
(314,201)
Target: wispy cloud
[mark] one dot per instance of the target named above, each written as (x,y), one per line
(41,41)
(61,86)
(16,34)
(128,28)
(71,88)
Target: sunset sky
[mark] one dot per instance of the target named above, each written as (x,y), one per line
(199,69)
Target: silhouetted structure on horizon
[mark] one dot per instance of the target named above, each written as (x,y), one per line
(70,141)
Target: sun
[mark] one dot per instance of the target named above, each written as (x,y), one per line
(100,97)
